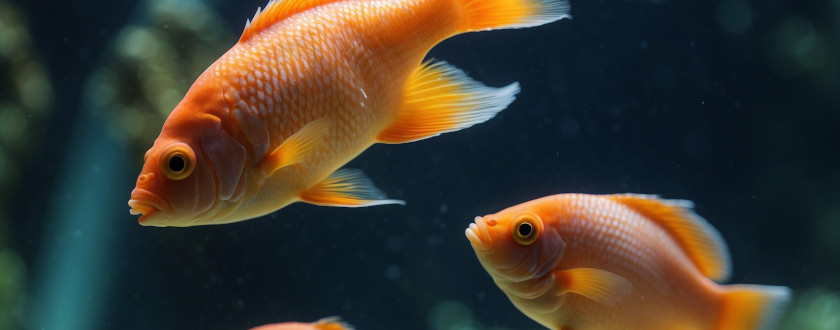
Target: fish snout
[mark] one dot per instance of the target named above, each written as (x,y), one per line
(146,203)
(145,179)
(479,235)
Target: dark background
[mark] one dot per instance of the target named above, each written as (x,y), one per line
(629,96)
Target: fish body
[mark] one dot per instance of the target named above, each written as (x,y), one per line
(308,87)
(575,261)
(329,323)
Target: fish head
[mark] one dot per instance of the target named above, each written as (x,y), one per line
(516,244)
(174,186)
(192,171)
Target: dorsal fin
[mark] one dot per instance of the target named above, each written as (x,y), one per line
(703,244)
(275,11)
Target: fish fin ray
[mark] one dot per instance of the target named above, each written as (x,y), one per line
(275,11)
(600,285)
(752,306)
(346,188)
(507,14)
(702,242)
(332,323)
(440,98)
(296,148)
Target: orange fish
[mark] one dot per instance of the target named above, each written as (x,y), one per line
(308,87)
(330,323)
(576,261)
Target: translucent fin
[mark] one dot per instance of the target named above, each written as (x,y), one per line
(296,148)
(332,323)
(696,236)
(347,188)
(440,98)
(752,306)
(501,14)
(596,284)
(275,11)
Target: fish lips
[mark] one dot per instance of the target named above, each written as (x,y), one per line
(478,235)
(147,204)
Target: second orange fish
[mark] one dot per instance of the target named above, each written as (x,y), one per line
(575,261)
(308,87)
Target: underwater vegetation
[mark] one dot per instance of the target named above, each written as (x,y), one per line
(151,63)
(25,104)
(813,309)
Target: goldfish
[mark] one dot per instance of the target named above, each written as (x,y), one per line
(329,323)
(627,261)
(310,85)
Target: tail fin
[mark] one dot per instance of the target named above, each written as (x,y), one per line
(752,306)
(332,323)
(507,14)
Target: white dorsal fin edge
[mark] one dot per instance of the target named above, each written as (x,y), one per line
(257,14)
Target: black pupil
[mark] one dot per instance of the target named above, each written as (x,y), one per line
(176,163)
(525,229)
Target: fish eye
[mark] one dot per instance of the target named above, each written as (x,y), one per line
(177,161)
(526,228)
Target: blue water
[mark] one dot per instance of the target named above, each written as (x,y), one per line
(732,104)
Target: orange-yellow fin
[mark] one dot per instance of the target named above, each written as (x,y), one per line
(296,148)
(332,323)
(275,11)
(506,14)
(347,188)
(439,98)
(701,242)
(752,306)
(596,284)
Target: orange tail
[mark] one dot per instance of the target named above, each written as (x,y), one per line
(752,306)
(506,14)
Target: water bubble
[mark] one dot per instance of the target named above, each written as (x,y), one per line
(799,47)
(392,272)
(734,16)
(569,127)
(450,315)
(395,242)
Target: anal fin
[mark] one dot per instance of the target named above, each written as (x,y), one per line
(347,188)
(440,98)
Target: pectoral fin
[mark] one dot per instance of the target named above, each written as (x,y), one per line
(296,148)
(596,284)
(348,188)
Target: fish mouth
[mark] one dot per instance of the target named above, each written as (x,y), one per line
(478,235)
(146,204)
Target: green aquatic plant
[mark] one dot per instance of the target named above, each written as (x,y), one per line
(26,96)
(454,315)
(150,65)
(814,309)
(12,294)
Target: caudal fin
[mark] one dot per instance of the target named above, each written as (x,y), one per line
(507,14)
(332,323)
(752,306)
